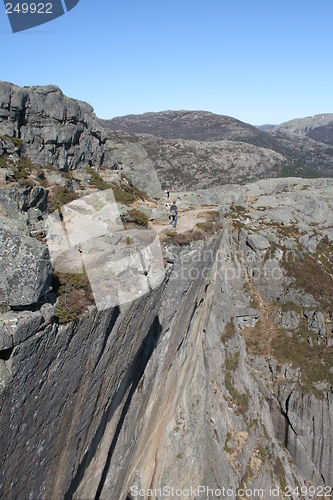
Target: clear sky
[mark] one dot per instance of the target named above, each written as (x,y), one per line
(261,61)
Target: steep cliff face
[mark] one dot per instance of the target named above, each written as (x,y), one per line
(138,397)
(189,385)
(51,128)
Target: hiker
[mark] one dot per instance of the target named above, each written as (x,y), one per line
(165,193)
(168,194)
(173,214)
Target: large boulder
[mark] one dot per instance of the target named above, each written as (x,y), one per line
(257,242)
(25,269)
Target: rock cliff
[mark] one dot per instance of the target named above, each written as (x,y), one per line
(50,128)
(219,377)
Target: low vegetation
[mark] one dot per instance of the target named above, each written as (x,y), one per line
(297,169)
(74,295)
(138,217)
(199,232)
(59,196)
(96,180)
(229,331)
(315,362)
(240,400)
(17,141)
(312,277)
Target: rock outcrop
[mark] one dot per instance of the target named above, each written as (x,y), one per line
(50,128)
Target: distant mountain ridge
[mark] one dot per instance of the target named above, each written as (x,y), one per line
(317,127)
(190,125)
(304,142)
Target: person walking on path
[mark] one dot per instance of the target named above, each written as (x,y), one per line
(173,214)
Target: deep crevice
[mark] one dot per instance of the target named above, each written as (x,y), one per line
(113,320)
(5,354)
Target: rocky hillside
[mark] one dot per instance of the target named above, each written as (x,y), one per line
(306,155)
(190,125)
(318,127)
(221,376)
(188,164)
(50,128)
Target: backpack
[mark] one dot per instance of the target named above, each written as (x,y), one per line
(173,210)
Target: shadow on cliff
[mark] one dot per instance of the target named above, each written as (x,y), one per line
(131,380)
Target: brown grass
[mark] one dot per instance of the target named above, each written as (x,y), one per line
(310,276)
(199,232)
(314,362)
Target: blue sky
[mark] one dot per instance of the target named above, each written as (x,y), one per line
(258,61)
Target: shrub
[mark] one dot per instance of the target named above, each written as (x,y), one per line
(96,180)
(122,196)
(17,141)
(74,295)
(138,217)
(60,196)
(22,169)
